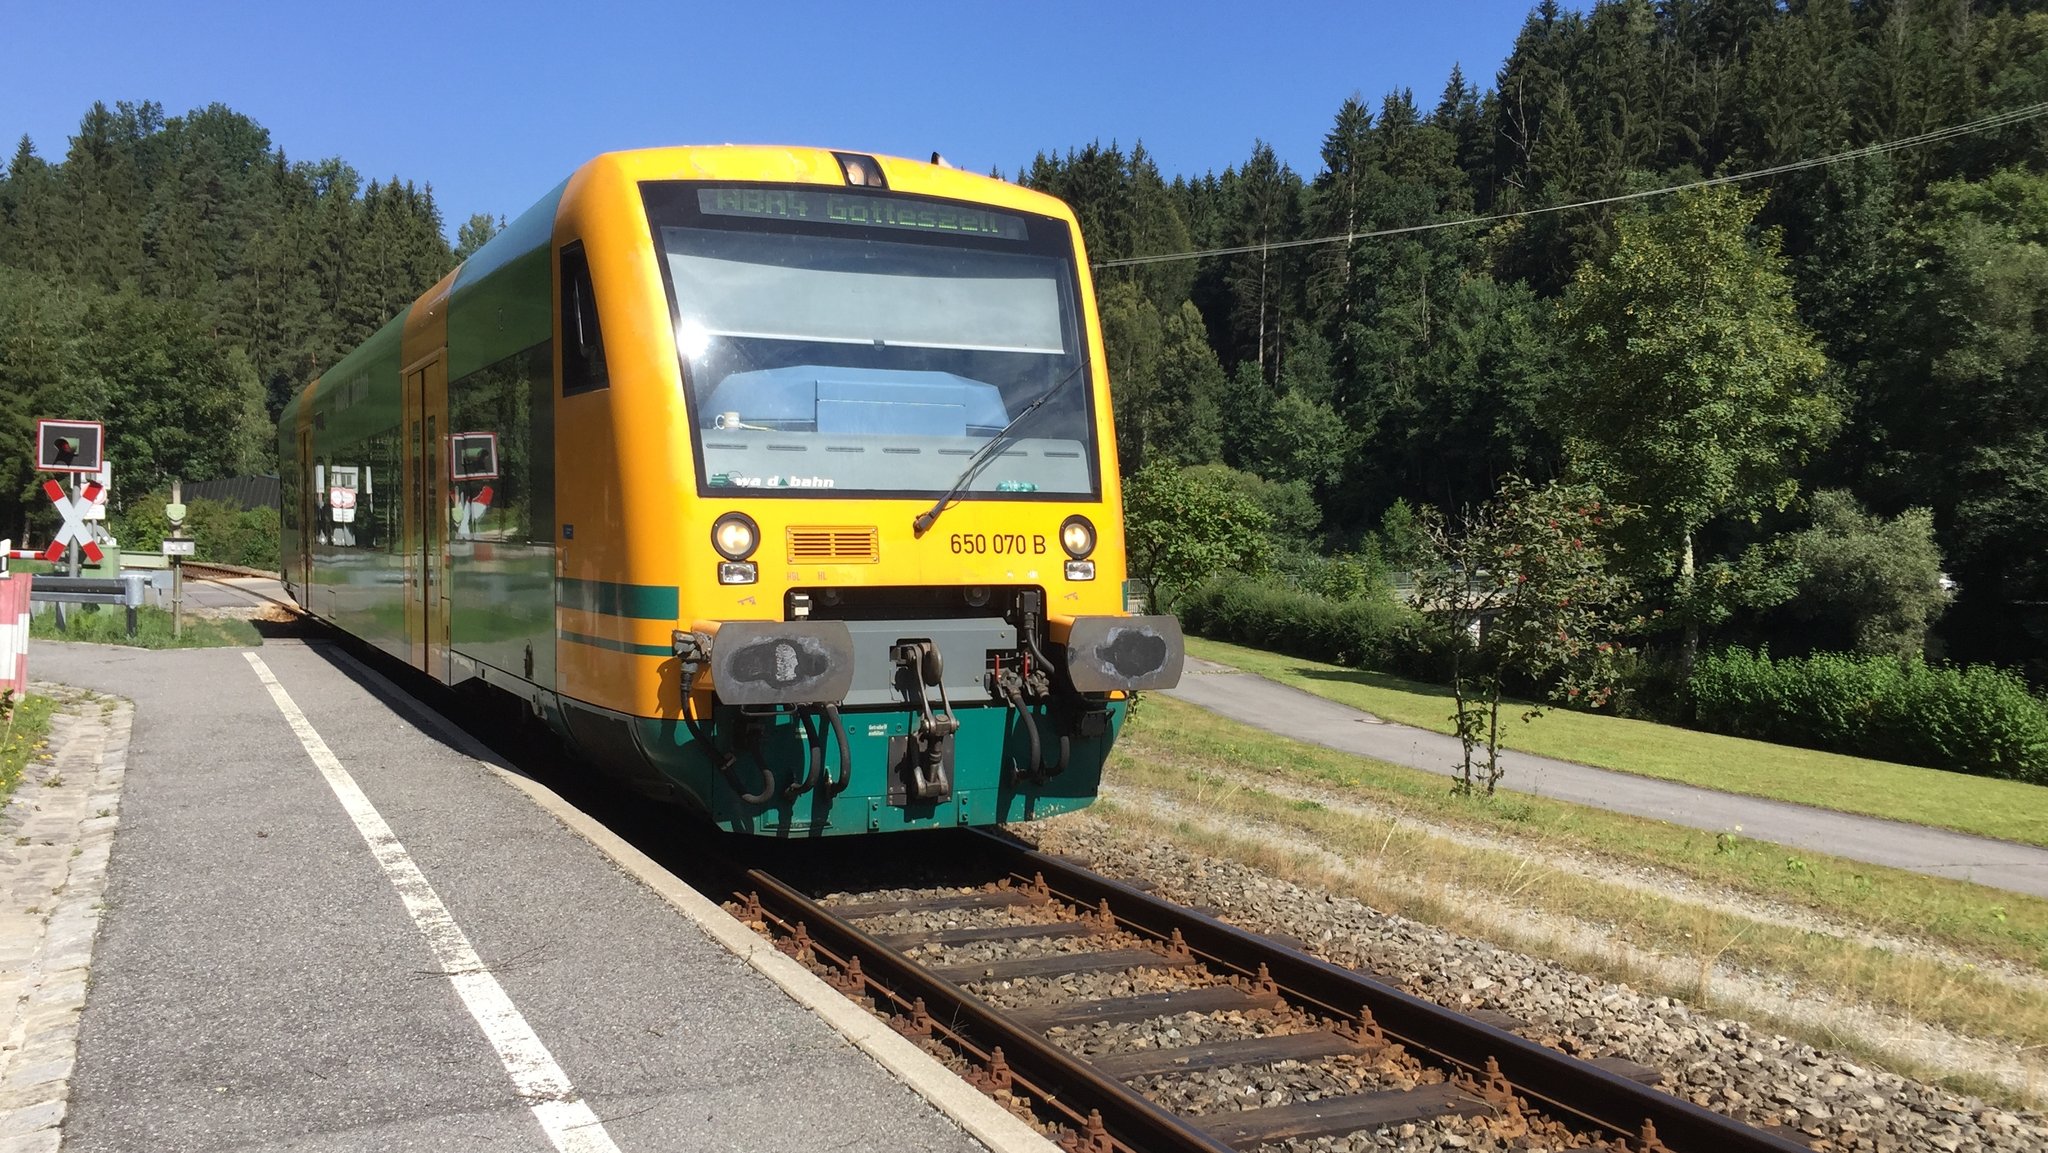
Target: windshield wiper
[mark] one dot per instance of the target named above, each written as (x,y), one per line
(986,453)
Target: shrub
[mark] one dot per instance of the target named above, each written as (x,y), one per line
(1337,578)
(224,533)
(1869,584)
(1980,719)
(1367,632)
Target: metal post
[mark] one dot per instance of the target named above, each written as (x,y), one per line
(177,570)
(70,560)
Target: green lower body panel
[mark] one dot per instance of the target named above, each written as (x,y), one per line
(990,779)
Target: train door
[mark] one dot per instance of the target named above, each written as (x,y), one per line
(303,563)
(426,537)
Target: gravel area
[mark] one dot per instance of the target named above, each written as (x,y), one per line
(1727,1065)
(1027,991)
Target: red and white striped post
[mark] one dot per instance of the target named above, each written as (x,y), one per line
(14,630)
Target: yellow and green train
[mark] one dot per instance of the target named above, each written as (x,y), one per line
(780,480)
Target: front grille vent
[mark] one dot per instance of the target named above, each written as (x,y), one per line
(834,546)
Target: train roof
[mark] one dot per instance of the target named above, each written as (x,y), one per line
(527,239)
(793,164)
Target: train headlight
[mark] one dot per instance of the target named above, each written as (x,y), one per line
(1077,536)
(735,536)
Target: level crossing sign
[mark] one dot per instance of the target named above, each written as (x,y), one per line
(73,510)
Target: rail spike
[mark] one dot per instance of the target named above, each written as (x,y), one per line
(801,946)
(1493,1087)
(1094,1140)
(1647,1142)
(852,981)
(1101,920)
(1041,893)
(1178,949)
(1365,1030)
(999,1079)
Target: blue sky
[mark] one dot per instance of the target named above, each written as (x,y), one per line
(494,103)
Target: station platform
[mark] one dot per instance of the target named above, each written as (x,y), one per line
(301,911)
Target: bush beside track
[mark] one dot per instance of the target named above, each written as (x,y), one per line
(1373,631)
(1979,720)
(226,534)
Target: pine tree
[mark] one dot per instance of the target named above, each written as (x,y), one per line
(1340,209)
(1267,198)
(103,198)
(32,213)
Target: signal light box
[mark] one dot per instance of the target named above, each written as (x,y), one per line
(474,456)
(69,445)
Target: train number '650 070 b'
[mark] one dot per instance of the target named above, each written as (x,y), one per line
(999,543)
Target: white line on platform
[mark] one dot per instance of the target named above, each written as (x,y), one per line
(569,1123)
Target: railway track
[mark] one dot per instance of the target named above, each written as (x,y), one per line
(991,970)
(223,576)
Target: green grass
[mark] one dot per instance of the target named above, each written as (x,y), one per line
(109,626)
(2008,810)
(1172,736)
(22,732)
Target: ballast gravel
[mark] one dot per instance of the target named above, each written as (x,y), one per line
(1726,1065)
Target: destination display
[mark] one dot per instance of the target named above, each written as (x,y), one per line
(860,211)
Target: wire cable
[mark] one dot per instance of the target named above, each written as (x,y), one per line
(1996,120)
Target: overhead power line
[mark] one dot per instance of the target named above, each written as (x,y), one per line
(1996,120)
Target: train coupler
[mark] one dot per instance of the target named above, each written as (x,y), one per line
(929,748)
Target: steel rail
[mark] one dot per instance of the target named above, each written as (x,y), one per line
(1558,1082)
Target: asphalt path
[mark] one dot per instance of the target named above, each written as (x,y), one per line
(1254,700)
(258,983)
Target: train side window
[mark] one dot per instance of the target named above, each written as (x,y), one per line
(583,365)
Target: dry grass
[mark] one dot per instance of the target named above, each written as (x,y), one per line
(1514,874)
(1997,925)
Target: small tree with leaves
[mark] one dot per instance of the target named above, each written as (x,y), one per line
(1181,525)
(1528,578)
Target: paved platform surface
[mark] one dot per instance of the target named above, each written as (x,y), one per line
(263,979)
(1303,716)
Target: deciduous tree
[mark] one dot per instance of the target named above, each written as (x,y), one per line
(1181,527)
(1698,391)
(1528,575)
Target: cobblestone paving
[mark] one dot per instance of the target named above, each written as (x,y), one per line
(56,833)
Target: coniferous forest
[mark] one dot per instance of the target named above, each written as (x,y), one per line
(179,276)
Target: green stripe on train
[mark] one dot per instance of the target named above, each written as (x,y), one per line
(611,599)
(616,646)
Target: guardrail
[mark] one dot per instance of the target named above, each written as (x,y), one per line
(124,590)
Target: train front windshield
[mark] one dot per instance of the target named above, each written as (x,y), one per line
(872,344)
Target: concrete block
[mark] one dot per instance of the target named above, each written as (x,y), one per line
(40,1141)
(21,1122)
(41,1073)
